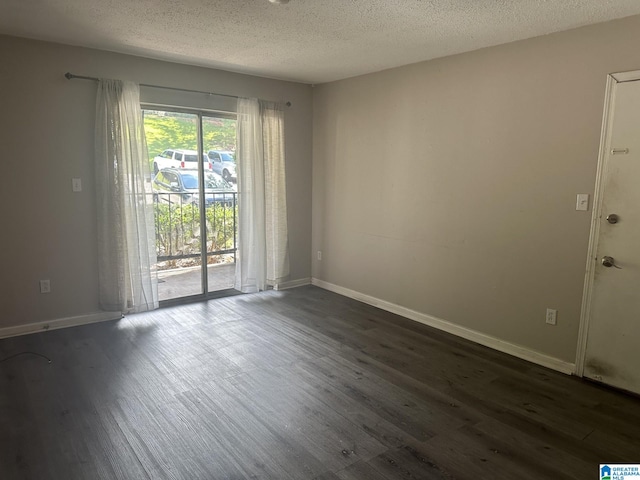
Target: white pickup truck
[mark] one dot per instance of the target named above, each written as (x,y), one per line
(178,159)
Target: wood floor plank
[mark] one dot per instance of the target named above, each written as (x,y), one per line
(204,446)
(535,450)
(288,405)
(556,438)
(302,384)
(420,419)
(260,451)
(405,462)
(359,471)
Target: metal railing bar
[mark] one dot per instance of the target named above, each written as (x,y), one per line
(164,258)
(178,236)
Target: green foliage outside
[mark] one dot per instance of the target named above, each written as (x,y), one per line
(219,133)
(179,131)
(178,231)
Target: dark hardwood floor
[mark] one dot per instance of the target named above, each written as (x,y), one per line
(299,384)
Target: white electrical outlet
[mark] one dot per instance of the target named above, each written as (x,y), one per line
(552,316)
(45,286)
(319,254)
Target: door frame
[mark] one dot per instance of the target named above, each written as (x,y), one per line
(613,79)
(204,278)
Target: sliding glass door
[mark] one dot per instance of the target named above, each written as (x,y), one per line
(193,186)
(219,141)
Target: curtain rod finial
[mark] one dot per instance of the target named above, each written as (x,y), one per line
(68,75)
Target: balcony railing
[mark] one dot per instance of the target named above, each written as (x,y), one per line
(177,225)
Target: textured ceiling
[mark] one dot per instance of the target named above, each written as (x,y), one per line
(311,41)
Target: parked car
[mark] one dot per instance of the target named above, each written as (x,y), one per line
(224,164)
(180,186)
(178,158)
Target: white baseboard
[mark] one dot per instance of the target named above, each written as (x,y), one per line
(466,333)
(58,323)
(292,284)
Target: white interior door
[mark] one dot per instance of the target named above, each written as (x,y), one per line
(612,353)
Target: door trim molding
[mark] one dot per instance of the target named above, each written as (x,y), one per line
(622,77)
(605,138)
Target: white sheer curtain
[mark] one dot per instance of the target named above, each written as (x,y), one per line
(126,237)
(263,257)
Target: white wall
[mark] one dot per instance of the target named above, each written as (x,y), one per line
(448,187)
(46,130)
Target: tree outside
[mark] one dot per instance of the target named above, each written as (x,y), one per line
(179,131)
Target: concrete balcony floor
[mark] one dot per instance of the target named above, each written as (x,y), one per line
(182,282)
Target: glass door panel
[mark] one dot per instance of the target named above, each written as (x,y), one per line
(219,141)
(172,139)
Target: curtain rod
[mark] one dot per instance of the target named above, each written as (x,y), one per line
(70,76)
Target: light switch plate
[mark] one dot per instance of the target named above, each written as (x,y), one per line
(76,184)
(582,201)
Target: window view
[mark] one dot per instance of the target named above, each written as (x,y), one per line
(182,241)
